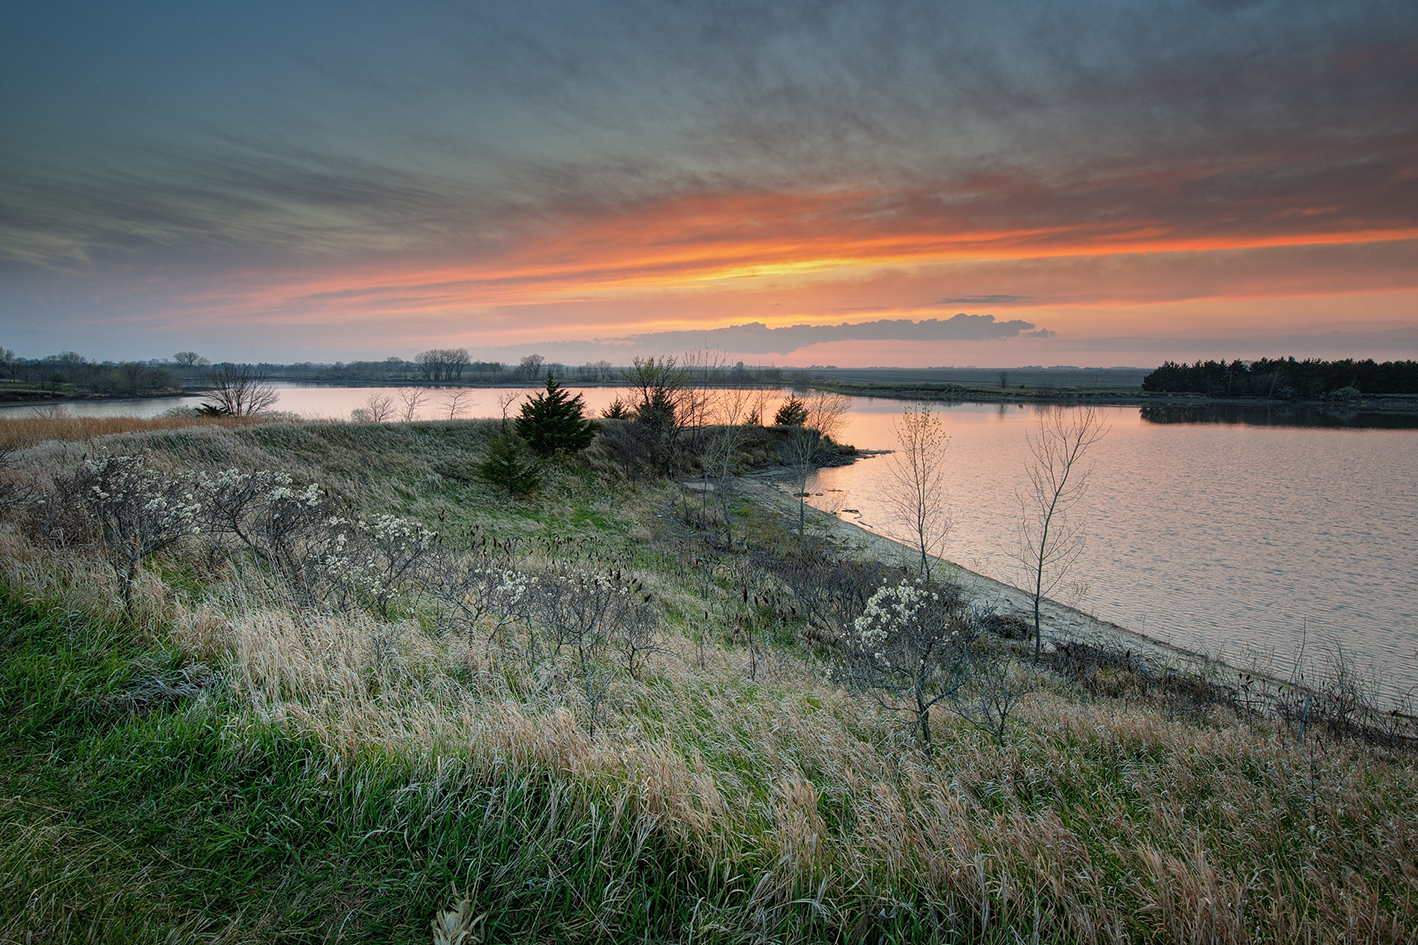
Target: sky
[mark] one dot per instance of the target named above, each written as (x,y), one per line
(856,183)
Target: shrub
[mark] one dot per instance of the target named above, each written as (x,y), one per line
(793,413)
(552,422)
(908,649)
(510,466)
(139,512)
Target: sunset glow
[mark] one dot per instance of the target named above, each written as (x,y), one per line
(1253,186)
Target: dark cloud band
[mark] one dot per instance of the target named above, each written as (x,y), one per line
(758,338)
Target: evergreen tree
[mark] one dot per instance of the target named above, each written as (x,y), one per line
(552,422)
(509,464)
(793,413)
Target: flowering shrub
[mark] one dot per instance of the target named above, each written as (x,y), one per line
(590,612)
(908,648)
(373,560)
(138,510)
(285,526)
(483,596)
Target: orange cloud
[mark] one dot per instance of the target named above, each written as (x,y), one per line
(713,258)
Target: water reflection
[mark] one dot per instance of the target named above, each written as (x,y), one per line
(1244,539)
(1282,415)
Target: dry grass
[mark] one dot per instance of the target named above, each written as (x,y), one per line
(21,432)
(1101,820)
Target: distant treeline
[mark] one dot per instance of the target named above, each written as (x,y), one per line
(71,370)
(452,365)
(1285,378)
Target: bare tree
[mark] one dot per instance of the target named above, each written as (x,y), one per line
(456,360)
(1050,534)
(441,364)
(239,390)
(807,443)
(457,399)
(733,408)
(378,408)
(915,487)
(190,359)
(505,400)
(412,398)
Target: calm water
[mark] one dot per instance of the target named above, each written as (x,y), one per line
(1237,540)
(1235,534)
(323,403)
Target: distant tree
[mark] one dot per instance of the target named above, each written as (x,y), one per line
(429,364)
(553,422)
(442,364)
(133,375)
(596,371)
(456,360)
(239,390)
(531,366)
(190,359)
(825,413)
(1003,379)
(7,361)
(793,413)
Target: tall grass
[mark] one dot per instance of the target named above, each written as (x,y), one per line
(279,773)
(19,432)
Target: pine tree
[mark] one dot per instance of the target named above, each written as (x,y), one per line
(508,465)
(552,422)
(793,413)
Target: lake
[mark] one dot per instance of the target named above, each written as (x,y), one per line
(1243,539)
(318,402)
(1244,533)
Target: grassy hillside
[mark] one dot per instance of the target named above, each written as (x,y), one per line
(582,715)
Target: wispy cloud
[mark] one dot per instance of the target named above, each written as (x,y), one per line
(625,168)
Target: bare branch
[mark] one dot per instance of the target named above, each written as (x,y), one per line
(239,390)
(915,485)
(1050,537)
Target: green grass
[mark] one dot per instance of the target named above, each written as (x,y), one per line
(145,797)
(124,820)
